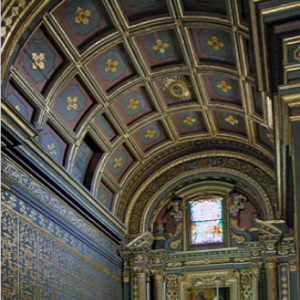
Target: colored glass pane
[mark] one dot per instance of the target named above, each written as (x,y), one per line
(206,221)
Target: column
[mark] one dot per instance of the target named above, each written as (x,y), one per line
(272,280)
(159,279)
(255,269)
(141,283)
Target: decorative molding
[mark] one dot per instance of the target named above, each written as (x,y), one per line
(207,261)
(143,240)
(59,208)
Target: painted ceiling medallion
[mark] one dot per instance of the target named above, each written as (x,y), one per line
(177,88)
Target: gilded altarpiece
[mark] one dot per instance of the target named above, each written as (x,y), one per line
(256,261)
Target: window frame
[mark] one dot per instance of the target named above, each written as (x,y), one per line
(226,227)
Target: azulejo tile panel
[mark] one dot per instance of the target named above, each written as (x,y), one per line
(41,259)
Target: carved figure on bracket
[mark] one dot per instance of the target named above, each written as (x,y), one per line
(235,206)
(176,209)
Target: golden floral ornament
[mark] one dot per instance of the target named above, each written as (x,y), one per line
(103,199)
(150,134)
(111,65)
(38,60)
(189,120)
(83,16)
(224,86)
(72,103)
(177,88)
(51,148)
(160,46)
(215,43)
(231,120)
(271,137)
(118,162)
(133,104)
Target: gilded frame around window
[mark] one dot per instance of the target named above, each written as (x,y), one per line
(194,192)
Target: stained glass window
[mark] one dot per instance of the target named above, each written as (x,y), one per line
(206,221)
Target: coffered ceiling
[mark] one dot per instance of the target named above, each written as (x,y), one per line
(116,88)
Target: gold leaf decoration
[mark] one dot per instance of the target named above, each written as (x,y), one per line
(111,66)
(72,103)
(103,199)
(224,86)
(160,46)
(231,120)
(38,60)
(215,43)
(133,104)
(271,137)
(189,120)
(82,16)
(51,148)
(150,133)
(118,162)
(177,88)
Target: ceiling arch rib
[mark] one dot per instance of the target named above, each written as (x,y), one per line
(117,85)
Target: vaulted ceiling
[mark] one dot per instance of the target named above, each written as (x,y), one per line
(112,91)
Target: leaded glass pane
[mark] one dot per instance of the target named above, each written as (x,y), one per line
(206,221)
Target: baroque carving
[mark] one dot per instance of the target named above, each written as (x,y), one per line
(255,268)
(208,280)
(172,287)
(246,284)
(207,261)
(240,165)
(174,264)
